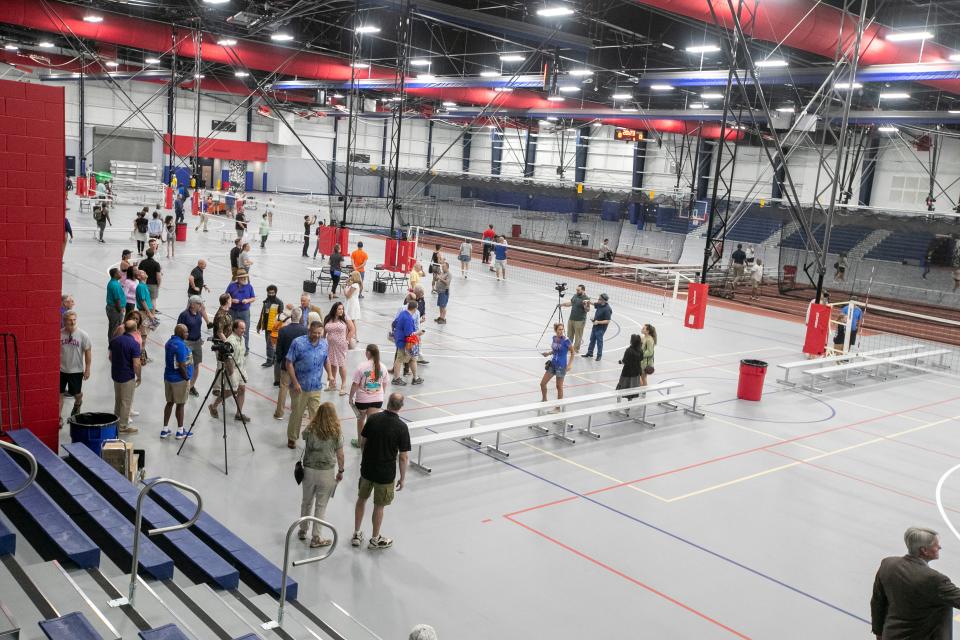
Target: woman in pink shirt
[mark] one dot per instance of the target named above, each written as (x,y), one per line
(367,391)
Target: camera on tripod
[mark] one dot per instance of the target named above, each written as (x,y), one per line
(222,348)
(561,287)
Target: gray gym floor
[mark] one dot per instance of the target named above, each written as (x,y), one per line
(763,520)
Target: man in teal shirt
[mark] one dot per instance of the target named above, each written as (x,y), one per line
(116,301)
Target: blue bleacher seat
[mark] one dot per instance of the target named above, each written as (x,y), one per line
(845,237)
(166,632)
(198,561)
(902,245)
(249,636)
(107,526)
(72,626)
(8,540)
(52,531)
(261,574)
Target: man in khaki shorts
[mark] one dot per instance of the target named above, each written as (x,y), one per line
(385,440)
(177,373)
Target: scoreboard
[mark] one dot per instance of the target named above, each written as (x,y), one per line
(627,135)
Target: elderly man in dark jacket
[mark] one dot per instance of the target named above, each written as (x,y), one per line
(910,600)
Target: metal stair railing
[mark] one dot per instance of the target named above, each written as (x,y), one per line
(31,460)
(273,624)
(138,521)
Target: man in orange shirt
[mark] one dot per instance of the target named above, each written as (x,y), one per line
(359,260)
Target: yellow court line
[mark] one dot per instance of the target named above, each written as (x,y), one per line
(875,409)
(810,459)
(711,416)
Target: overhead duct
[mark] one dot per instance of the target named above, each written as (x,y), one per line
(812,26)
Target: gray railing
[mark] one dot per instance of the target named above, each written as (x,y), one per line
(273,624)
(31,460)
(138,521)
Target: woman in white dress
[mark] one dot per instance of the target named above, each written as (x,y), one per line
(352,305)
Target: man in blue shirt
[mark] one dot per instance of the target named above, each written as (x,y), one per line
(178,208)
(500,258)
(854,312)
(116,301)
(404,325)
(192,319)
(241,297)
(305,362)
(601,319)
(177,373)
(125,372)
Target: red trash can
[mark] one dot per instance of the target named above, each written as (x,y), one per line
(752,373)
(181,232)
(515,231)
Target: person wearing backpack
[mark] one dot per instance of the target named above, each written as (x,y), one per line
(101,215)
(140,224)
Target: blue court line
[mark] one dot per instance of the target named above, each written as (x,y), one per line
(670,534)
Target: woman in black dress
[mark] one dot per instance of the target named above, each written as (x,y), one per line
(336,264)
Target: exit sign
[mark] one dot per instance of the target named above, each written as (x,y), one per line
(628,135)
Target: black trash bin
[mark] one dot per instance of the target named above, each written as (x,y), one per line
(92,429)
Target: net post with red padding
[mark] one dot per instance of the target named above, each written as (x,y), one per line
(818,329)
(696,312)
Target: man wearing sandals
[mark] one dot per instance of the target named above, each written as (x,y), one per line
(305,364)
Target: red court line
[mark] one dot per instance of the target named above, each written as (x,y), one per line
(902,442)
(862,480)
(628,578)
(737,454)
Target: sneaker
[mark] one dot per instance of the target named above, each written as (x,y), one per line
(302,534)
(598,358)
(165,433)
(181,434)
(380,543)
(399,382)
(241,417)
(194,392)
(355,443)
(417,381)
(134,414)
(277,416)
(213,411)
(267,364)
(292,445)
(128,429)
(356,539)
(422,361)
(586,355)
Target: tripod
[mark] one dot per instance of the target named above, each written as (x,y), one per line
(220,377)
(556,313)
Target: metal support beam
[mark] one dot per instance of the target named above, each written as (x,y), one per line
(384,169)
(530,155)
(332,176)
(172,109)
(83,156)
(868,169)
(580,157)
(467,145)
(404,36)
(704,157)
(426,187)
(496,151)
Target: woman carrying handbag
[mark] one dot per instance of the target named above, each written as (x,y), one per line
(632,369)
(322,465)
(649,344)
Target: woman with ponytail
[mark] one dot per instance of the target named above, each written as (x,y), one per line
(367,391)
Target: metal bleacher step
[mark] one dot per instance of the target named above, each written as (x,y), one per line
(215,612)
(62,592)
(20,608)
(301,615)
(259,609)
(9,629)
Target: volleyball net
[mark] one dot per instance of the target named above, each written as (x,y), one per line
(543,271)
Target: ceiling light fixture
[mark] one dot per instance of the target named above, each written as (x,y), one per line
(667,45)
(895,95)
(785,109)
(908,36)
(661,87)
(697,105)
(552,118)
(489,74)
(955,57)
(216,1)
(568,89)
(628,110)
(703,48)
(112,64)
(151,61)
(621,96)
(360,65)
(46,44)
(503,89)
(367,28)
(92,17)
(954,111)
(556,98)
(449,104)
(11,47)
(887,129)
(712,96)
(581,73)
(847,85)
(240,74)
(511,57)
(226,42)
(771,63)
(337,96)
(281,36)
(420,62)
(554,12)
(198,76)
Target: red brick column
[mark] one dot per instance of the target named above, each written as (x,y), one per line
(32,207)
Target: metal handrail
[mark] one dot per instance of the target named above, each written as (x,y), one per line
(138,520)
(273,624)
(12,448)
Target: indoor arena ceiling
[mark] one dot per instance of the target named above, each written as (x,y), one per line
(636,50)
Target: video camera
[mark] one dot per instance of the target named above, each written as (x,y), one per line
(561,287)
(222,348)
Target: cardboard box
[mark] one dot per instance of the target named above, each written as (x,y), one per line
(119,455)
